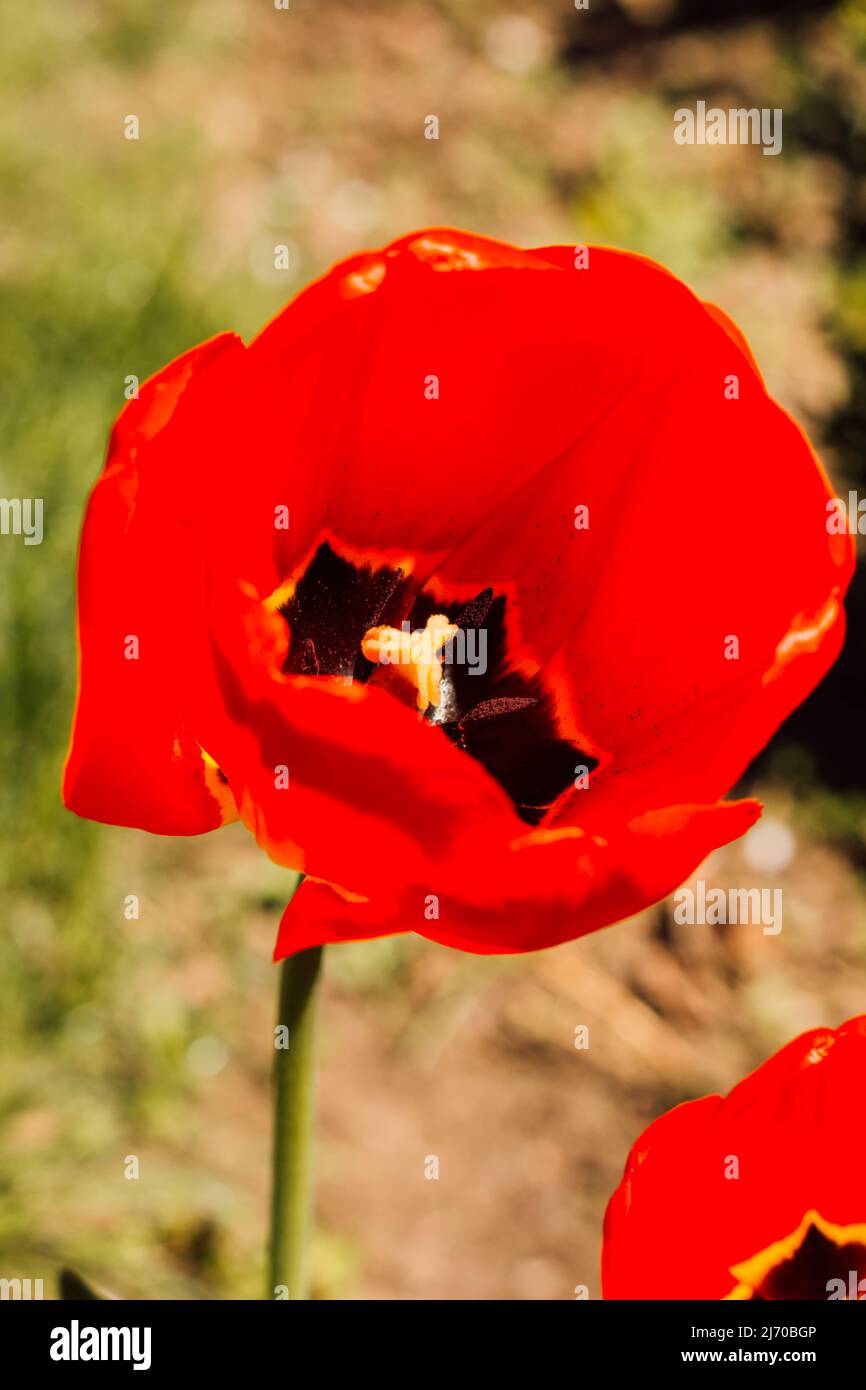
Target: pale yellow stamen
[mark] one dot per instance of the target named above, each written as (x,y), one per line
(414,654)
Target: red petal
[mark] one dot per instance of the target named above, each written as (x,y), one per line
(133,758)
(676,1225)
(527,893)
(707,519)
(527,359)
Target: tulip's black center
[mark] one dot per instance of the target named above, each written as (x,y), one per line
(488,708)
(827,1263)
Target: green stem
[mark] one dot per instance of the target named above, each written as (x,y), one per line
(294,1074)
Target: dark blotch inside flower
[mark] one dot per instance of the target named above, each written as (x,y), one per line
(490,709)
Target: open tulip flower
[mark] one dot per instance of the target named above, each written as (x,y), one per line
(760,1195)
(471,585)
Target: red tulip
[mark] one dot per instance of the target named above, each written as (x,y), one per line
(579,467)
(761,1194)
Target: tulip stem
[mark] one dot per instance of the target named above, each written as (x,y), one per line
(294,1075)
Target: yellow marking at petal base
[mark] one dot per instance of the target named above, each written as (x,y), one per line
(283,594)
(414,654)
(753,1272)
(219,790)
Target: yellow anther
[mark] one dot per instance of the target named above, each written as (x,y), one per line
(414,654)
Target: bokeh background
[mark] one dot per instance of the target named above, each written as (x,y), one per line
(154,1037)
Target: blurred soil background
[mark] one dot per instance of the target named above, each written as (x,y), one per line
(154,1038)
